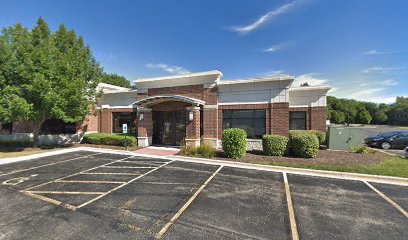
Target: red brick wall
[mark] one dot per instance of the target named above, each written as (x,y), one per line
(105,118)
(145,126)
(318,118)
(193,127)
(22,127)
(210,123)
(170,106)
(280,119)
(91,124)
(192,91)
(315,117)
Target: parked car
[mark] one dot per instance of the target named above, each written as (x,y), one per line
(387,140)
(406,152)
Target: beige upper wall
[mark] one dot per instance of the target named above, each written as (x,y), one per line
(308,97)
(274,89)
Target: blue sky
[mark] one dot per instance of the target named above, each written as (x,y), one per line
(360,48)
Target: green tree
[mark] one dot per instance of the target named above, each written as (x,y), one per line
(54,75)
(337,117)
(115,79)
(380,117)
(363,117)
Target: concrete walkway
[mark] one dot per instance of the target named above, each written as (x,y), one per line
(158,151)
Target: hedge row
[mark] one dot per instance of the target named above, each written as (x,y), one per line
(304,143)
(109,139)
(234,142)
(274,145)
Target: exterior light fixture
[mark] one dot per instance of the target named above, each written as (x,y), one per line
(141,116)
(190,116)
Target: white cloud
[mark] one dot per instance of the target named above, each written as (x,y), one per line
(380,69)
(272,73)
(372,95)
(389,82)
(276,47)
(376,52)
(373,52)
(175,70)
(386,82)
(265,18)
(312,79)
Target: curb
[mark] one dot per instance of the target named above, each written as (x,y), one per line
(299,171)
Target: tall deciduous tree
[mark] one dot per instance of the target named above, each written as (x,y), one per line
(115,79)
(52,75)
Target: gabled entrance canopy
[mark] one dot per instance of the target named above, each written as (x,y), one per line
(149,101)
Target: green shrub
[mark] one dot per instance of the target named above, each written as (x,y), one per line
(109,139)
(234,142)
(206,150)
(274,145)
(304,143)
(360,149)
(321,136)
(188,150)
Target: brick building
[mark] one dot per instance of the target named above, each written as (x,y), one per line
(198,106)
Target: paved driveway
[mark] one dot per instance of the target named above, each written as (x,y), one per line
(89,195)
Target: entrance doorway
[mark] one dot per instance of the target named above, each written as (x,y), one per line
(169,127)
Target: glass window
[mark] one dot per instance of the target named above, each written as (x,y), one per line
(297,121)
(252,121)
(57,126)
(5,128)
(120,118)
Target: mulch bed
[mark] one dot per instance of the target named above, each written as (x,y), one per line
(325,157)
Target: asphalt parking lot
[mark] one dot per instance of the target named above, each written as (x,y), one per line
(89,195)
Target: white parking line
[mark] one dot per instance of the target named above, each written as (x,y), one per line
(120,186)
(186,205)
(124,167)
(387,199)
(82,181)
(50,164)
(292,219)
(63,192)
(81,172)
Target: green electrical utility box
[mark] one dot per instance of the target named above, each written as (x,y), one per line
(344,138)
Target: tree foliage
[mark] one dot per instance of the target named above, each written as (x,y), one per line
(46,75)
(115,79)
(352,111)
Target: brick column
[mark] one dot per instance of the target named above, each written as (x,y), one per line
(193,127)
(144,127)
(318,118)
(280,119)
(210,125)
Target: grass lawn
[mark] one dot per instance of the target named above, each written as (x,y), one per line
(392,166)
(376,163)
(8,152)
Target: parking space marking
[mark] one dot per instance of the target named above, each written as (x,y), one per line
(63,192)
(124,167)
(111,173)
(81,172)
(387,199)
(50,200)
(185,206)
(83,181)
(120,186)
(292,219)
(49,164)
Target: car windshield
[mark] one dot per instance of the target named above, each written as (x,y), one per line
(387,134)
